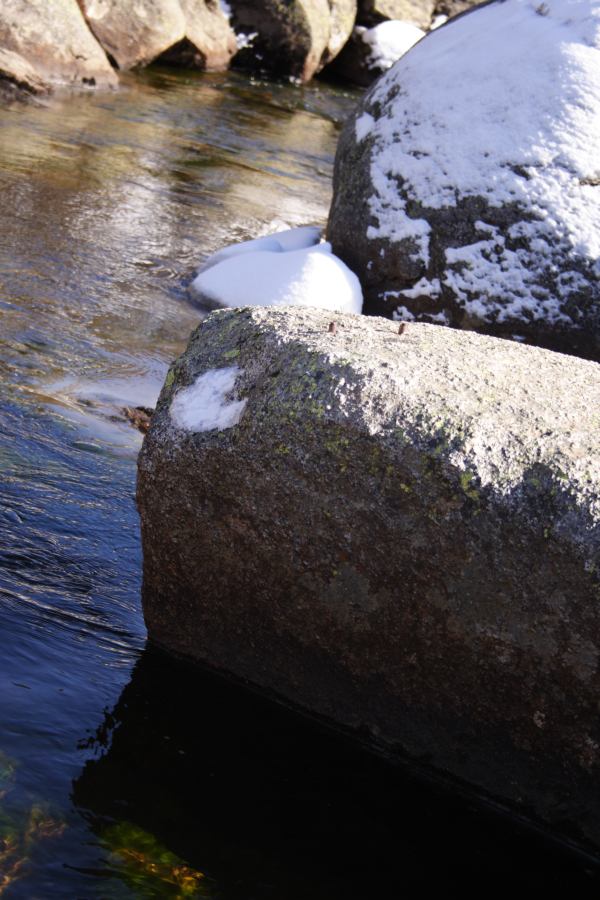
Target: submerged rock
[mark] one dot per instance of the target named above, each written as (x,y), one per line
(466,185)
(294,39)
(54,39)
(398,532)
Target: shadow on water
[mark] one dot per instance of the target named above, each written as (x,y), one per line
(199,778)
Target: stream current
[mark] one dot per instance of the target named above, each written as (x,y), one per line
(123,774)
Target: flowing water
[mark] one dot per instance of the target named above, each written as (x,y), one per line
(123,774)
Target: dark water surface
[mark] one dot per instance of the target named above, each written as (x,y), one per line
(122,774)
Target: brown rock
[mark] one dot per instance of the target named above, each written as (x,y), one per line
(18,77)
(135,32)
(420,12)
(209,42)
(55,40)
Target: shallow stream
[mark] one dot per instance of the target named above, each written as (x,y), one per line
(122,774)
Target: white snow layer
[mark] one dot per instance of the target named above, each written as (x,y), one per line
(502,103)
(389,41)
(203,405)
(290,239)
(285,269)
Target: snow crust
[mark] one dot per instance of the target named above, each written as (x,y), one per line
(389,41)
(504,104)
(285,269)
(203,405)
(290,239)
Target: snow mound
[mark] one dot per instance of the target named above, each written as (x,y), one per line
(388,41)
(287,269)
(290,239)
(203,405)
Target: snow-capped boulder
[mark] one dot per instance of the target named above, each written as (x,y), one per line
(294,39)
(419,12)
(55,41)
(400,532)
(466,187)
(372,51)
(289,268)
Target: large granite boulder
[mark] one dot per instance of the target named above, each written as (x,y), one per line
(294,39)
(397,531)
(466,185)
(55,41)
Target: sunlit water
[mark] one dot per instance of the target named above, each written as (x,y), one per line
(122,774)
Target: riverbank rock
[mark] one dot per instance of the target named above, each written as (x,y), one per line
(372,51)
(419,12)
(55,40)
(466,187)
(398,532)
(18,78)
(135,32)
(190,33)
(294,39)
(209,42)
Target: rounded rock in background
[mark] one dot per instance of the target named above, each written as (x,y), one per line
(134,34)
(295,39)
(420,12)
(209,42)
(466,184)
(55,40)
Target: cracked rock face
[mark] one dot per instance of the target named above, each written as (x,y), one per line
(291,39)
(54,39)
(399,532)
(466,187)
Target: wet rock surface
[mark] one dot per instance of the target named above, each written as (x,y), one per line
(400,533)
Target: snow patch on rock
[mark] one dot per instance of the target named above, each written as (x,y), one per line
(389,41)
(203,406)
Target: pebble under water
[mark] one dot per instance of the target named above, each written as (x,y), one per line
(122,773)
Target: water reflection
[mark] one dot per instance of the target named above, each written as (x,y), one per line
(266,805)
